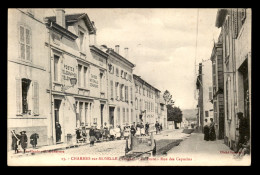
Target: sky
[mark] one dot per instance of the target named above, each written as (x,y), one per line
(161,42)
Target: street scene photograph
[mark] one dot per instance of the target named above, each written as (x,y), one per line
(129,87)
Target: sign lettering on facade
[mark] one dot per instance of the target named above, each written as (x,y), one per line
(93,81)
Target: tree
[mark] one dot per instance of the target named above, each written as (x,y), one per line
(168,98)
(174,114)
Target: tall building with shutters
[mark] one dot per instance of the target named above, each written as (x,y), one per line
(28,75)
(45,56)
(147,103)
(235,27)
(120,88)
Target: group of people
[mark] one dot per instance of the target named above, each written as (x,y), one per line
(209,130)
(21,140)
(108,133)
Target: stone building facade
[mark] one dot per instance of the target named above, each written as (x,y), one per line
(120,88)
(236,33)
(218,87)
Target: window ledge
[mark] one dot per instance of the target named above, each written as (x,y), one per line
(57,82)
(83,88)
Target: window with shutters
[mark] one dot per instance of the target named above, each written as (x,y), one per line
(111,90)
(136,103)
(126,93)
(27,97)
(132,115)
(227,39)
(117,72)
(117,90)
(35,98)
(127,115)
(131,93)
(79,75)
(25,43)
(56,67)
(81,40)
(123,115)
(118,115)
(85,78)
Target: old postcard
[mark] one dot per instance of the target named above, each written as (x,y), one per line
(129,87)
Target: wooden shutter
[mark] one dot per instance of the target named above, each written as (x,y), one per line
(235,23)
(22,42)
(36,98)
(18,96)
(28,44)
(111,84)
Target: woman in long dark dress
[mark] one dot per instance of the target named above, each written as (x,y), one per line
(212,134)
(23,140)
(206,130)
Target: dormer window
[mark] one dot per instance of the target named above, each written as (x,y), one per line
(81,40)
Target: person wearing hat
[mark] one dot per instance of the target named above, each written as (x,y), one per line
(92,136)
(23,140)
(15,141)
(243,129)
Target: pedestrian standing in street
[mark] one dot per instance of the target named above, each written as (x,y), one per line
(112,133)
(133,131)
(157,127)
(106,132)
(78,135)
(142,129)
(138,129)
(243,129)
(212,133)
(147,129)
(23,140)
(92,136)
(206,130)
(58,132)
(33,139)
(15,141)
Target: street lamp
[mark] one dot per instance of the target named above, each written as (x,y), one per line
(73,82)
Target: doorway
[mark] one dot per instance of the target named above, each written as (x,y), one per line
(111,115)
(58,132)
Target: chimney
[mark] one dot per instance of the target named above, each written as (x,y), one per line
(117,49)
(60,17)
(126,52)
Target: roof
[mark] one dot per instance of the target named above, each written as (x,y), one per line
(143,81)
(112,52)
(71,18)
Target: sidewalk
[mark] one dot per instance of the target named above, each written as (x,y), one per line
(46,149)
(197,151)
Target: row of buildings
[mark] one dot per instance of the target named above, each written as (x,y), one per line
(57,73)
(230,92)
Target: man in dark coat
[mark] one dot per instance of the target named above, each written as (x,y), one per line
(157,127)
(243,129)
(147,128)
(23,140)
(58,132)
(212,133)
(92,136)
(15,140)
(132,130)
(206,130)
(33,139)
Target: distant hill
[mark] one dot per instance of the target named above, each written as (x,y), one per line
(190,114)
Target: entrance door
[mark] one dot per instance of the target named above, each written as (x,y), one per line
(57,120)
(111,115)
(101,112)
